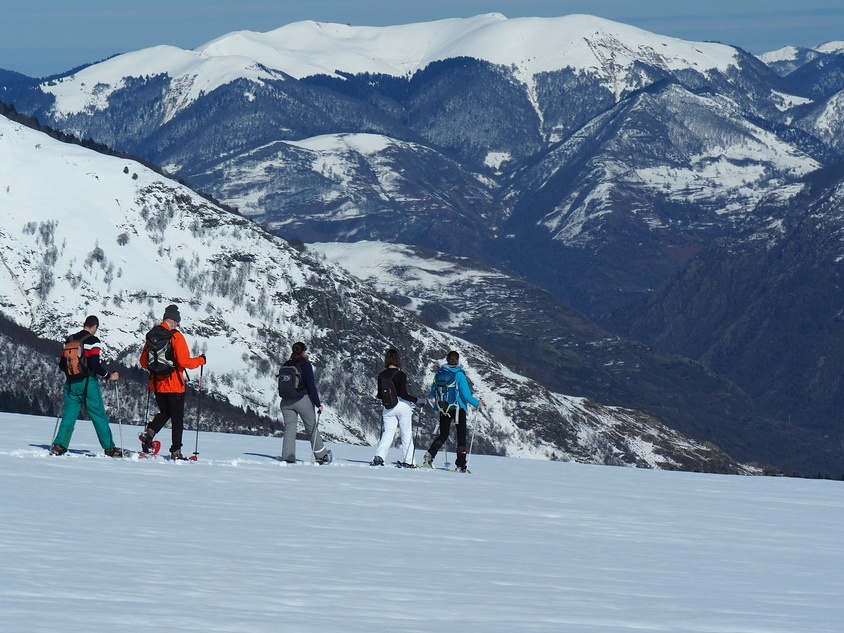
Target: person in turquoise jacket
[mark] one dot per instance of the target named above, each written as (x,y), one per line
(451,394)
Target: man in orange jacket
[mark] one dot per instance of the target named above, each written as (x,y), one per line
(168,384)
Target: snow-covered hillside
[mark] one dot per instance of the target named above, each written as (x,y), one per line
(112,238)
(528,45)
(397,271)
(241,543)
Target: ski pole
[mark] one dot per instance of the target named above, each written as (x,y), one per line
(195,455)
(313,437)
(445,445)
(415,434)
(58,417)
(471,439)
(55,429)
(436,432)
(119,417)
(146,411)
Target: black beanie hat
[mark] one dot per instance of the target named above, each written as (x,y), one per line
(172,312)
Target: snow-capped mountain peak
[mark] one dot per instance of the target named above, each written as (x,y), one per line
(530,46)
(194,72)
(533,45)
(834,47)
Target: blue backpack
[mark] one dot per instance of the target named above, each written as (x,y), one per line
(445,390)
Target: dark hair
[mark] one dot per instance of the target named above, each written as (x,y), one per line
(91,321)
(392,358)
(299,350)
(452,358)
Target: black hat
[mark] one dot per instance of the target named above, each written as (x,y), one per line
(172,312)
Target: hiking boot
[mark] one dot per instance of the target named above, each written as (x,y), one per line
(427,460)
(146,440)
(177,456)
(57,449)
(377,461)
(115,452)
(325,459)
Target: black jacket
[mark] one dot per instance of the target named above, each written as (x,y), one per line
(307,371)
(91,346)
(400,381)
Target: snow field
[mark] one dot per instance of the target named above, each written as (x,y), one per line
(239,542)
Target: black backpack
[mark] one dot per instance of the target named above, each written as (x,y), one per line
(160,360)
(290,383)
(387,389)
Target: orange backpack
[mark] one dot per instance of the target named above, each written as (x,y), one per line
(73,361)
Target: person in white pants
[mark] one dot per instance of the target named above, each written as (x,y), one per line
(393,389)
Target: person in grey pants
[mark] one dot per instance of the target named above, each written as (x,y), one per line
(297,406)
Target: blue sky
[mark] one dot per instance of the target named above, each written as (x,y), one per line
(41,38)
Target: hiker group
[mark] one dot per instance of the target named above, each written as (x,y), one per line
(450,394)
(166,356)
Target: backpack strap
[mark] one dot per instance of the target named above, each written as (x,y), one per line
(85,388)
(396,370)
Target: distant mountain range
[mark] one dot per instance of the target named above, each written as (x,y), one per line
(629,183)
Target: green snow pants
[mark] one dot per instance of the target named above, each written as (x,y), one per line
(75,395)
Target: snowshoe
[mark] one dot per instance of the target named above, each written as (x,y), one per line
(149,446)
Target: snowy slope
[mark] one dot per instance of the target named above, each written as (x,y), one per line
(113,238)
(194,72)
(534,45)
(528,45)
(396,270)
(240,543)
(358,174)
(799,54)
(787,59)
(833,47)
(825,120)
